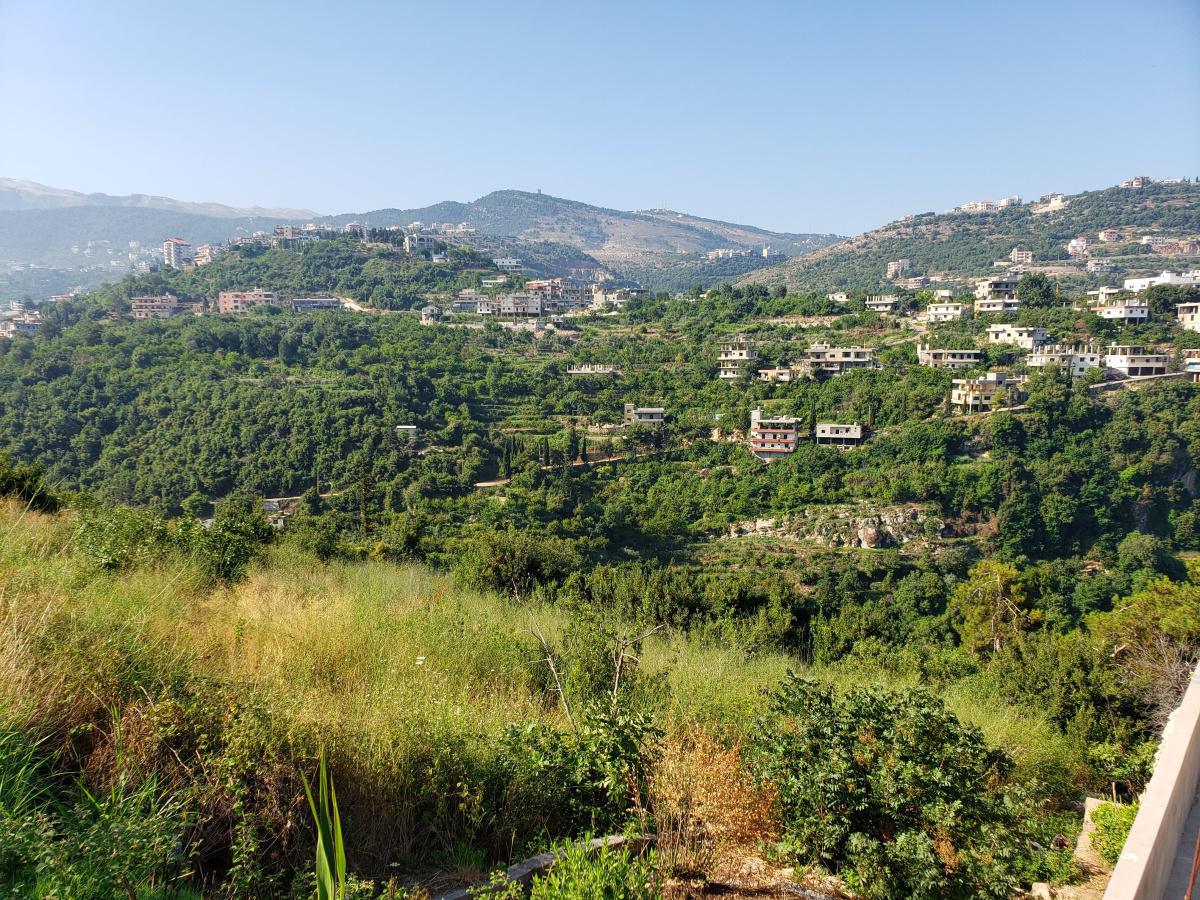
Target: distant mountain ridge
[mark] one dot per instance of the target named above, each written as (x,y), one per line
(17,194)
(610,235)
(963,245)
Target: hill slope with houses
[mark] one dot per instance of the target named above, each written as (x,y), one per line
(1124,230)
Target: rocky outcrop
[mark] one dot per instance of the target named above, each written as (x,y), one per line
(870,527)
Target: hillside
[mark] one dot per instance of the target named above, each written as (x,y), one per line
(965,245)
(17,194)
(612,236)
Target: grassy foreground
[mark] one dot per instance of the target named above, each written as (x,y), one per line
(177,715)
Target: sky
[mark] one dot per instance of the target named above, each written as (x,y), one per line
(797,116)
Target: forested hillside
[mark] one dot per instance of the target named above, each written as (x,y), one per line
(964,245)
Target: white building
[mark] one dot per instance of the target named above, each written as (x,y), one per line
(1075,360)
(1077,246)
(945,312)
(1188,315)
(737,354)
(176,253)
(772,437)
(1130,311)
(644,415)
(507,264)
(1023,336)
(522,304)
(983,394)
(884,304)
(838,297)
(994,306)
(835,360)
(998,287)
(898,267)
(844,437)
(948,359)
(1134,361)
(1020,257)
(1184,279)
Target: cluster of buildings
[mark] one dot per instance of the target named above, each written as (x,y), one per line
(738,355)
(164,306)
(544,297)
(735,252)
(774,437)
(982,206)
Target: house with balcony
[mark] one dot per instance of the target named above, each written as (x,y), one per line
(162,306)
(834,360)
(1188,315)
(772,437)
(594,370)
(1131,312)
(945,312)
(1134,361)
(883,304)
(948,359)
(781,374)
(1076,360)
(844,437)
(1023,336)
(649,416)
(737,355)
(239,302)
(985,393)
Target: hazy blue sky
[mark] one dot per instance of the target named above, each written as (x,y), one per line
(792,115)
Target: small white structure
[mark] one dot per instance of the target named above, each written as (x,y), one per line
(844,437)
(1134,361)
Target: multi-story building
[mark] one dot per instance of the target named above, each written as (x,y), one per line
(948,359)
(1188,315)
(995,306)
(1077,246)
(1098,265)
(160,307)
(1023,336)
(1134,361)
(28,325)
(985,393)
(1020,257)
(835,360)
(522,304)
(1183,279)
(1131,311)
(507,264)
(315,304)
(844,437)
(206,253)
(176,253)
(430,315)
(883,304)
(470,300)
(238,302)
(1006,202)
(1137,181)
(1104,294)
(1109,236)
(772,437)
(915,283)
(737,355)
(604,297)
(998,287)
(643,415)
(1191,363)
(418,242)
(1075,360)
(898,267)
(945,312)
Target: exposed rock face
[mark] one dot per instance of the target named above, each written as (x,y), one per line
(871,527)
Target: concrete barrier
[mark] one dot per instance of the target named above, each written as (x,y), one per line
(1153,846)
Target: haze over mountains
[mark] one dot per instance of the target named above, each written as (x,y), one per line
(84,236)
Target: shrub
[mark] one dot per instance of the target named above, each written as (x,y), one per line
(581,873)
(1112,821)
(891,791)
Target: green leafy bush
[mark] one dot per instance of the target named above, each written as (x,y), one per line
(585,874)
(891,791)
(1112,821)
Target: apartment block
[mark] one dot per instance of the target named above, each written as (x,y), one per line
(238,302)
(1183,279)
(1188,315)
(883,304)
(772,437)
(1020,257)
(998,287)
(898,267)
(315,304)
(1075,360)
(737,354)
(159,307)
(985,393)
(1134,361)
(948,359)
(835,360)
(176,253)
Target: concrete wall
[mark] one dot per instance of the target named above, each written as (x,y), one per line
(1153,844)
